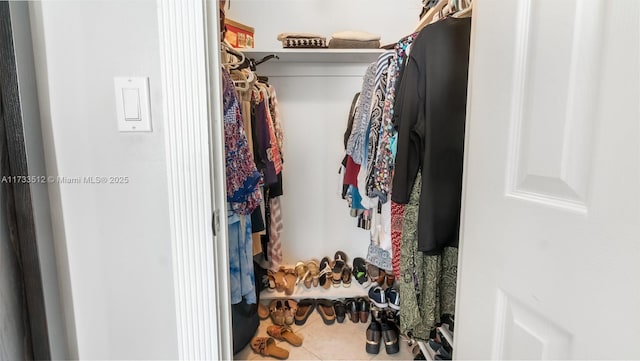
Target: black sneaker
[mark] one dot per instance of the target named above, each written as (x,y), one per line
(393,298)
(377,296)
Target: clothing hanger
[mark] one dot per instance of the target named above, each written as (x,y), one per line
(247,78)
(466,12)
(451,8)
(231,51)
(428,17)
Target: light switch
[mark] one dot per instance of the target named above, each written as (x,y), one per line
(131,99)
(133,104)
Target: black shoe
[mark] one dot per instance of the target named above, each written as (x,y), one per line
(352,310)
(341,310)
(440,353)
(390,337)
(360,272)
(373,338)
(363,310)
(449,320)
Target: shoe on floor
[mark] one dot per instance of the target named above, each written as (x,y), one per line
(290,308)
(263,311)
(373,338)
(390,337)
(276,310)
(266,346)
(284,333)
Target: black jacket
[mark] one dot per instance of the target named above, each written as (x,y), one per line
(429,114)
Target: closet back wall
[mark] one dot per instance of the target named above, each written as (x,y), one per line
(392,19)
(314,99)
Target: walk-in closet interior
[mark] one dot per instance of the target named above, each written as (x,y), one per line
(344,130)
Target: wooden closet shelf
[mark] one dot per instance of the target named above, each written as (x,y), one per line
(316,55)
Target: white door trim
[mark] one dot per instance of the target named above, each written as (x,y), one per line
(195,156)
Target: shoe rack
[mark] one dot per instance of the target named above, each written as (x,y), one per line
(331,293)
(428,352)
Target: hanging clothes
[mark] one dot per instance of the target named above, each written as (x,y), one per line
(242,176)
(427,283)
(375,121)
(356,143)
(242,279)
(266,139)
(385,161)
(431,123)
(397,214)
(276,118)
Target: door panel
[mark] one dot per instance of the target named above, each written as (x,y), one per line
(551,214)
(556,55)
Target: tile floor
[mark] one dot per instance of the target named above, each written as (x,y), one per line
(340,341)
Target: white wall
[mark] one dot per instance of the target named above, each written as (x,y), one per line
(47,250)
(116,237)
(392,19)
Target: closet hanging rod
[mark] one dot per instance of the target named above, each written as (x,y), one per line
(264,60)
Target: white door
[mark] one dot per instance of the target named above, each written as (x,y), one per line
(550,245)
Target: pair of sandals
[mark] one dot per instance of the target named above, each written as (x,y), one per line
(380,277)
(308,273)
(284,280)
(283,312)
(266,346)
(341,272)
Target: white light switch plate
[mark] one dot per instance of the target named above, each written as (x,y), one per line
(132,104)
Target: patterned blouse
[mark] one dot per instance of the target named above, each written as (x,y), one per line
(356,143)
(384,162)
(242,176)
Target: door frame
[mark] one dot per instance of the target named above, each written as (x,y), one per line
(20,211)
(194,141)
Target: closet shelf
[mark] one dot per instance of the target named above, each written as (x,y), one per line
(424,347)
(332,293)
(317,55)
(447,334)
